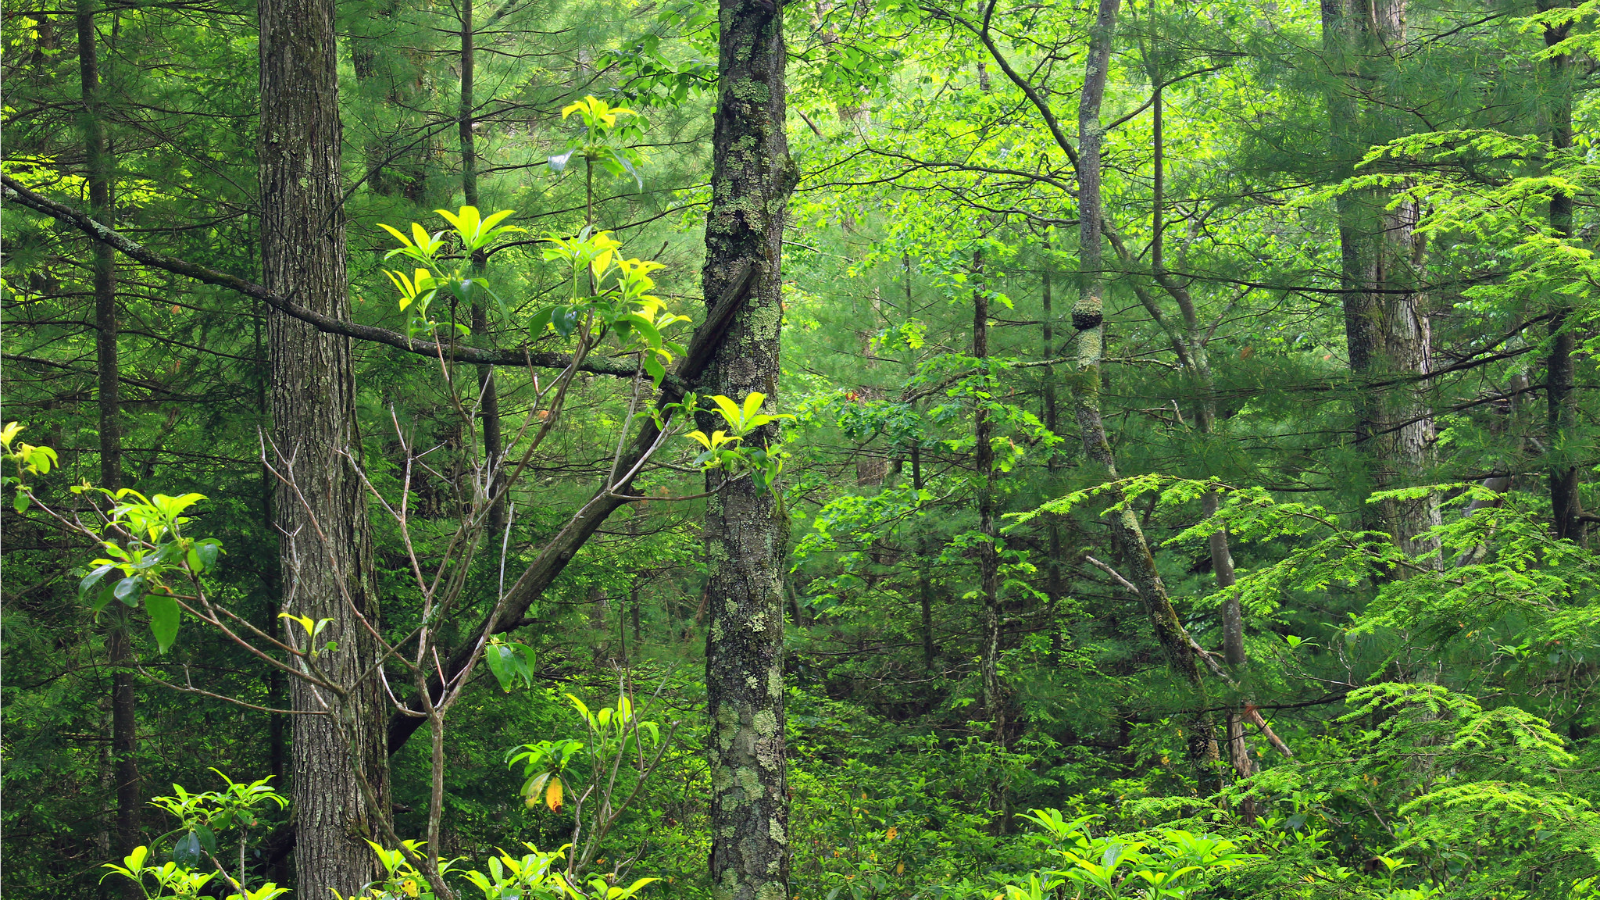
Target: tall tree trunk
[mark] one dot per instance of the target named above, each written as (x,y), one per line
(326,545)
(489,396)
(124,700)
(1054,587)
(745,531)
(1387,332)
(1561,411)
(988,545)
(924,584)
(1088,321)
(1189,344)
(271,582)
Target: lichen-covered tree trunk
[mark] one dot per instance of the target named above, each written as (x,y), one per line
(1387,333)
(745,530)
(1133,551)
(320,509)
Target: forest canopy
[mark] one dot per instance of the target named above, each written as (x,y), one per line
(829,450)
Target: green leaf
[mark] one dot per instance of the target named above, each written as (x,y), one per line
(163,619)
(498,658)
(186,852)
(127,590)
(92,579)
(654,369)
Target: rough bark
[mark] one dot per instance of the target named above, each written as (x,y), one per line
(1088,321)
(1387,330)
(319,508)
(124,699)
(745,530)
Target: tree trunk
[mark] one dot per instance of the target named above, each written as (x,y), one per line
(1561,411)
(489,396)
(988,545)
(1088,321)
(124,700)
(1054,587)
(1387,332)
(924,584)
(745,530)
(326,545)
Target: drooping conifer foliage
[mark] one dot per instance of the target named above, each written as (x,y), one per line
(763,449)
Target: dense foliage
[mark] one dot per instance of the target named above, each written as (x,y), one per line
(1242,551)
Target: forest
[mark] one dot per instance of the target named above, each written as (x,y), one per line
(814,449)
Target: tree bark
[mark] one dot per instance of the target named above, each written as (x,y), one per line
(1387,331)
(924,584)
(489,394)
(124,699)
(319,507)
(745,529)
(1054,586)
(1561,418)
(1088,342)
(989,543)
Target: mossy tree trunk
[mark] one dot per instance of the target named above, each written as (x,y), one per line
(745,530)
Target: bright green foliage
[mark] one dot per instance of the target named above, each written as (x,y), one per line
(1175,865)
(608,130)
(199,842)
(457,276)
(1441,712)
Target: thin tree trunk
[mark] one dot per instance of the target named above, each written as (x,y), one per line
(924,584)
(1054,588)
(1189,344)
(489,398)
(745,531)
(271,580)
(988,545)
(124,699)
(1387,330)
(326,545)
(1561,412)
(1088,321)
